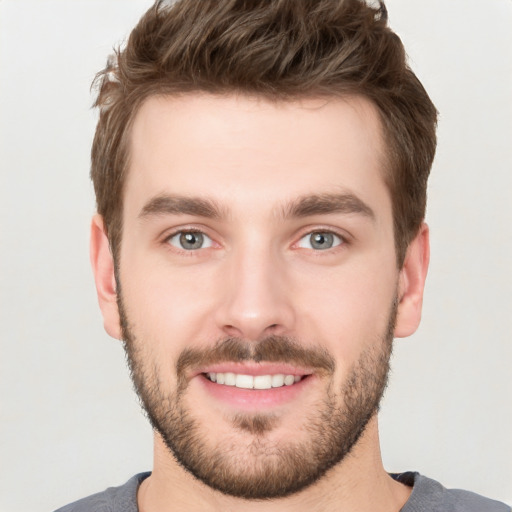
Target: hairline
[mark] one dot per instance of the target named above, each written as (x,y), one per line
(385,137)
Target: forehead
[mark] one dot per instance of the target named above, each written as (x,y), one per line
(241,150)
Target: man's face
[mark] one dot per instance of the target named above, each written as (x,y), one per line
(257,252)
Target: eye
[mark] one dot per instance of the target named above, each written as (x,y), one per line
(190,240)
(320,241)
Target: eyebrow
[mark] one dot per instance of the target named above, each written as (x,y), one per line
(322,204)
(305,206)
(181,205)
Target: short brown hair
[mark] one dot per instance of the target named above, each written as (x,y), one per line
(277,49)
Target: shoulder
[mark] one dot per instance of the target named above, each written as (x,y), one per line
(113,499)
(430,496)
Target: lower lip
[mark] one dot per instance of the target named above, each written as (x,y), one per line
(251,399)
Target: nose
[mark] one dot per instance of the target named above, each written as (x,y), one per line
(256,297)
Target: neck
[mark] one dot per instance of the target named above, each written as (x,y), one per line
(359,483)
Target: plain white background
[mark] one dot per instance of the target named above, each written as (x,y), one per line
(70,424)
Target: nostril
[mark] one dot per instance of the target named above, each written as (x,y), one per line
(231,330)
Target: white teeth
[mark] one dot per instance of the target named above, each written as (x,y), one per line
(263,382)
(253,382)
(244,381)
(277,380)
(230,379)
(289,380)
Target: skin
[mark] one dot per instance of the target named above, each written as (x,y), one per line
(259,277)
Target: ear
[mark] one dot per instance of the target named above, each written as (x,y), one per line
(102,263)
(411,283)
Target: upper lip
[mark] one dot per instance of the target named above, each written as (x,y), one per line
(254,369)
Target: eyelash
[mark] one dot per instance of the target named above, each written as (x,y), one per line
(166,241)
(344,240)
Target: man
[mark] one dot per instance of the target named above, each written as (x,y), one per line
(260,171)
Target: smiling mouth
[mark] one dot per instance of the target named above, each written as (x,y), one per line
(242,381)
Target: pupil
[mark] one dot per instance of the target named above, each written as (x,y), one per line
(322,240)
(191,240)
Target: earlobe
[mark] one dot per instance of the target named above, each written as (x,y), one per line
(411,284)
(102,263)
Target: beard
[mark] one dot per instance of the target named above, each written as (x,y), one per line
(246,463)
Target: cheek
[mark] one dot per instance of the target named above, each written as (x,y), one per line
(350,313)
(164,305)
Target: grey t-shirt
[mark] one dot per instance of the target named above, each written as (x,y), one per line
(427,496)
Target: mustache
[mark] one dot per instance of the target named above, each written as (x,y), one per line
(270,349)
